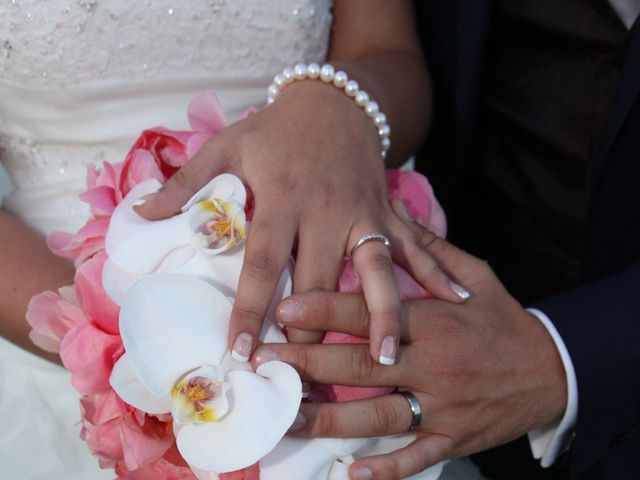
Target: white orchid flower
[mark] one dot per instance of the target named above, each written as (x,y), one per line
(330,458)
(198,241)
(225,416)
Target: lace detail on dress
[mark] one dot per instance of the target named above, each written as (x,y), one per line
(58,44)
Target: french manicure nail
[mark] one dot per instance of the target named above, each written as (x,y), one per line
(290,311)
(462,292)
(401,209)
(299,422)
(363,473)
(242,347)
(265,355)
(306,389)
(388,350)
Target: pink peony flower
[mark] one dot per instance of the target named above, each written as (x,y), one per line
(51,315)
(121,435)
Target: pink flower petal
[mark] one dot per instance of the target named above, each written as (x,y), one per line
(102,200)
(92,297)
(89,354)
(51,316)
(205,113)
(416,193)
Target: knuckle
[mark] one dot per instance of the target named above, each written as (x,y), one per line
(362,364)
(262,267)
(324,423)
(378,261)
(248,314)
(386,419)
(388,468)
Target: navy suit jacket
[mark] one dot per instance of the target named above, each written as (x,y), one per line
(600,320)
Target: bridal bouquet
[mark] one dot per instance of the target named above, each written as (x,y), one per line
(143,329)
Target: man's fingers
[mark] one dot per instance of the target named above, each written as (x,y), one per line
(318,264)
(340,364)
(322,311)
(386,415)
(168,201)
(267,253)
(347,313)
(414,458)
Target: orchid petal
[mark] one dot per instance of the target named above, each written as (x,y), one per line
(264,406)
(140,245)
(127,384)
(225,186)
(171,324)
(306,459)
(116,281)
(222,271)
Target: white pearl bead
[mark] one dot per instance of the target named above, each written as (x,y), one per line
(313,71)
(340,79)
(384,131)
(379,119)
(301,71)
(385,143)
(273,90)
(351,88)
(279,80)
(289,74)
(362,98)
(326,73)
(372,108)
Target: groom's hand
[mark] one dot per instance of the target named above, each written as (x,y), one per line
(485,371)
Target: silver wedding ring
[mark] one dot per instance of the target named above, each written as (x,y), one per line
(371,237)
(416,409)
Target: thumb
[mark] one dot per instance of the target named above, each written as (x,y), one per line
(195,174)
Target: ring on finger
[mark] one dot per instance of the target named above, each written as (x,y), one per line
(371,237)
(416,409)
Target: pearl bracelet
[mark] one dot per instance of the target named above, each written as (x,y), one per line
(340,80)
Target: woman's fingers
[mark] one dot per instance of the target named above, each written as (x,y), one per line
(419,455)
(373,264)
(318,264)
(206,164)
(416,258)
(268,249)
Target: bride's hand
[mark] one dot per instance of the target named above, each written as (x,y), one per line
(312,160)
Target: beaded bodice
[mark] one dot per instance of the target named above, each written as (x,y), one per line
(61,43)
(80,79)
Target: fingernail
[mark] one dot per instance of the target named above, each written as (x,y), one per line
(462,292)
(290,311)
(306,389)
(265,355)
(242,347)
(388,350)
(363,473)
(299,422)
(400,208)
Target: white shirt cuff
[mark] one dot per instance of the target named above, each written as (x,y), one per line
(550,441)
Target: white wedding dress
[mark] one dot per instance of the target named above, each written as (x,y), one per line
(79,80)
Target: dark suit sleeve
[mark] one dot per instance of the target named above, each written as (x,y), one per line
(600,325)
